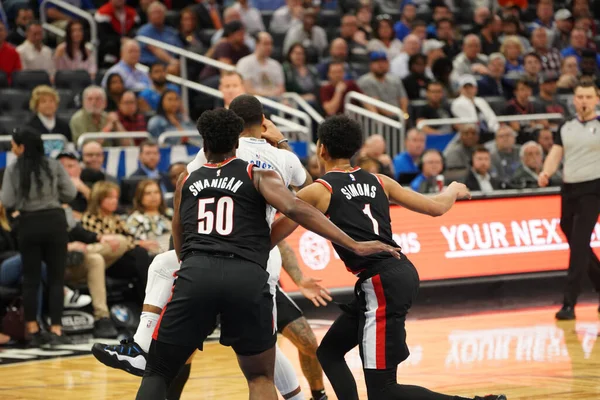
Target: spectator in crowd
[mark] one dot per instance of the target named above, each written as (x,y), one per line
(564,25)
(578,44)
(208,14)
(19,32)
(522,105)
(299,77)
(92,117)
(133,79)
(10,61)
(60,17)
(231,86)
(406,163)
(416,81)
(263,76)
(129,117)
(230,51)
(157,30)
(547,98)
(532,65)
(150,220)
(149,158)
(168,116)
(446,33)
(589,66)
(232,14)
(431,165)
(442,71)
(100,218)
(513,51)
(72,54)
(550,56)
(357,52)
(569,77)
(382,85)
(511,26)
(142,10)
(545,138)
(190,36)
(532,161)
(480,15)
(433,49)
(286,16)
(34,54)
(478,177)
(173,173)
(149,98)
(114,90)
(435,108)
(116,20)
(440,11)
(36,186)
(72,167)
(338,53)
(399,65)
(505,154)
(92,156)
(307,33)
(470,61)
(44,104)
(364,17)
(384,38)
(458,154)
(313,167)
(570,66)
(408,15)
(251,17)
(544,20)
(375,148)
(494,83)
(419,29)
(369,165)
(471,107)
(488,36)
(333,93)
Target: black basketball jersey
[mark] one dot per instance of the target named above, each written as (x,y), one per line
(360,208)
(222,212)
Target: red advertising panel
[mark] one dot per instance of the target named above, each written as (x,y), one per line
(476,238)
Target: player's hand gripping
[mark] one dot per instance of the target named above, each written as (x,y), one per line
(312,290)
(462,191)
(374,247)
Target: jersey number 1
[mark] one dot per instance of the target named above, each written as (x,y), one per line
(367,211)
(224,216)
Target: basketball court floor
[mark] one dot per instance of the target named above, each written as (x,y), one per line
(523,353)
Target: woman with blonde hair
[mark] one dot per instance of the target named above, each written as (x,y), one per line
(512,49)
(151,219)
(100,218)
(44,104)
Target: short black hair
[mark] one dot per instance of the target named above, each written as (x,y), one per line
(248,108)
(147,143)
(220,130)
(418,22)
(412,60)
(442,20)
(524,82)
(341,136)
(156,64)
(585,82)
(481,149)
(532,54)
(432,83)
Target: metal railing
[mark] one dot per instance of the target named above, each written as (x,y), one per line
(373,123)
(89,136)
(303,105)
(194,137)
(45,137)
(72,9)
(500,118)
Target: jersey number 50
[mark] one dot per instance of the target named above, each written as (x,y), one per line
(222,223)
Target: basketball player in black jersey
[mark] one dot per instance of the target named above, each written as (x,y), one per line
(358,202)
(221,234)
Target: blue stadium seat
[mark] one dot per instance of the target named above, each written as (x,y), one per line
(29,79)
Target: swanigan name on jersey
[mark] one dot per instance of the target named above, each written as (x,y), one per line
(359,189)
(227,183)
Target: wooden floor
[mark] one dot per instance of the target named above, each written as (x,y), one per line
(524,354)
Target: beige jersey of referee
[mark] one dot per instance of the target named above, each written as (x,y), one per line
(581,145)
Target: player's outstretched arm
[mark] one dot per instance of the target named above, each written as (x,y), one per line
(176,222)
(275,193)
(435,205)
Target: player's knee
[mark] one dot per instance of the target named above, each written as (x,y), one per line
(326,354)
(164,265)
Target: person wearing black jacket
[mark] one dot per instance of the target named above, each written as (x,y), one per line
(44,104)
(478,177)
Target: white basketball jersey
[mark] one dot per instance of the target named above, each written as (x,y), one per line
(260,153)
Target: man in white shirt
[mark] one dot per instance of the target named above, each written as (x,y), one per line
(263,76)
(399,65)
(470,61)
(286,17)
(308,33)
(251,17)
(34,54)
(476,109)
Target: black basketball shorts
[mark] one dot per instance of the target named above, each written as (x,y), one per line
(287,310)
(209,285)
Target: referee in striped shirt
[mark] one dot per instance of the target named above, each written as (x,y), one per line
(578,141)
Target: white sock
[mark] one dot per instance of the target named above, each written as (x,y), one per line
(286,380)
(143,335)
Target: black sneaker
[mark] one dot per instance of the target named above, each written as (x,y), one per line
(104,328)
(56,340)
(127,356)
(566,313)
(39,339)
(491,397)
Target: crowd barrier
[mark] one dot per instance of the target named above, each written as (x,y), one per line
(477,238)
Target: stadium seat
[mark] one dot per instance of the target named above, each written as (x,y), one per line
(3,80)
(67,99)
(76,80)
(278,39)
(30,79)
(360,68)
(172,19)
(266,17)
(66,114)
(414,107)
(14,100)
(329,19)
(497,103)
(8,123)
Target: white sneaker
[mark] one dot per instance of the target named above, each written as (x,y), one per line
(73,299)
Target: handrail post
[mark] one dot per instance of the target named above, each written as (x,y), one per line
(184,90)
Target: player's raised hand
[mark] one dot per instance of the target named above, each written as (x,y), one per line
(312,290)
(374,247)
(270,132)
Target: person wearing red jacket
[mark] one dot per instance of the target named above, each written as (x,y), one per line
(115,21)
(10,61)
